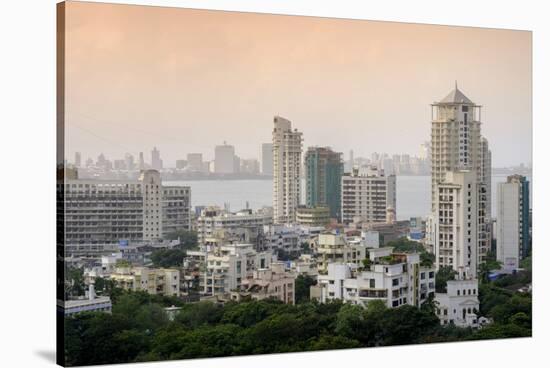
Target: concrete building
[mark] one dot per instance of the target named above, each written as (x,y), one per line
(485,173)
(512,226)
(456,137)
(312,216)
(141,163)
(106,212)
(156,161)
(457,145)
(250,166)
(214,219)
(460,304)
(224,159)
(458,214)
(92,303)
(289,237)
(156,281)
(228,265)
(395,278)
(333,248)
(287,163)
(77,159)
(267,159)
(324,170)
(194,162)
(268,283)
(181,164)
(367,194)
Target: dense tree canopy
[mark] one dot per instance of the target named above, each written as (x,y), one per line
(168,257)
(188,239)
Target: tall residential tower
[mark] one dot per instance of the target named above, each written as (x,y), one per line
(513,239)
(287,161)
(324,170)
(458,147)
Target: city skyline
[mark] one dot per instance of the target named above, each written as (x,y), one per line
(114,90)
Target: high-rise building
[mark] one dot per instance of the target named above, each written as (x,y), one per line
(351,161)
(367,194)
(267,158)
(287,162)
(324,170)
(250,166)
(456,219)
(485,172)
(456,137)
(141,164)
(194,162)
(457,145)
(77,159)
(513,239)
(129,162)
(224,159)
(156,162)
(181,164)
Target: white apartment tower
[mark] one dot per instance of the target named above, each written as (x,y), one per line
(367,194)
(287,163)
(457,145)
(455,221)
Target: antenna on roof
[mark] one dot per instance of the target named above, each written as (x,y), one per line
(456,84)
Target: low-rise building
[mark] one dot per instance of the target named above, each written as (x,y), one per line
(91,303)
(268,283)
(246,224)
(313,216)
(161,281)
(333,248)
(460,304)
(289,238)
(227,266)
(395,278)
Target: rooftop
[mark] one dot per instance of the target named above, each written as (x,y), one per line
(456,97)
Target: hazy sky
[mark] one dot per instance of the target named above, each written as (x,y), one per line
(186,80)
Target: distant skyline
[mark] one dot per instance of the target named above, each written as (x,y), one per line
(187,80)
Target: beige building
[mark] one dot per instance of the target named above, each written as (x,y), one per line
(245,224)
(159,281)
(332,248)
(287,166)
(316,216)
(268,283)
(457,145)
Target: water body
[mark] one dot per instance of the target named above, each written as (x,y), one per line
(413,193)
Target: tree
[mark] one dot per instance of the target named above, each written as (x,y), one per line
(302,286)
(188,239)
(168,257)
(74,282)
(444,274)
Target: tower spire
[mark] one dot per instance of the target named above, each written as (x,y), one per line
(456,84)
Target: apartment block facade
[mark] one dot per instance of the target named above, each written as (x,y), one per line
(512,233)
(324,169)
(367,194)
(287,166)
(99,213)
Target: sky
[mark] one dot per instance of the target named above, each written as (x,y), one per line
(186,80)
